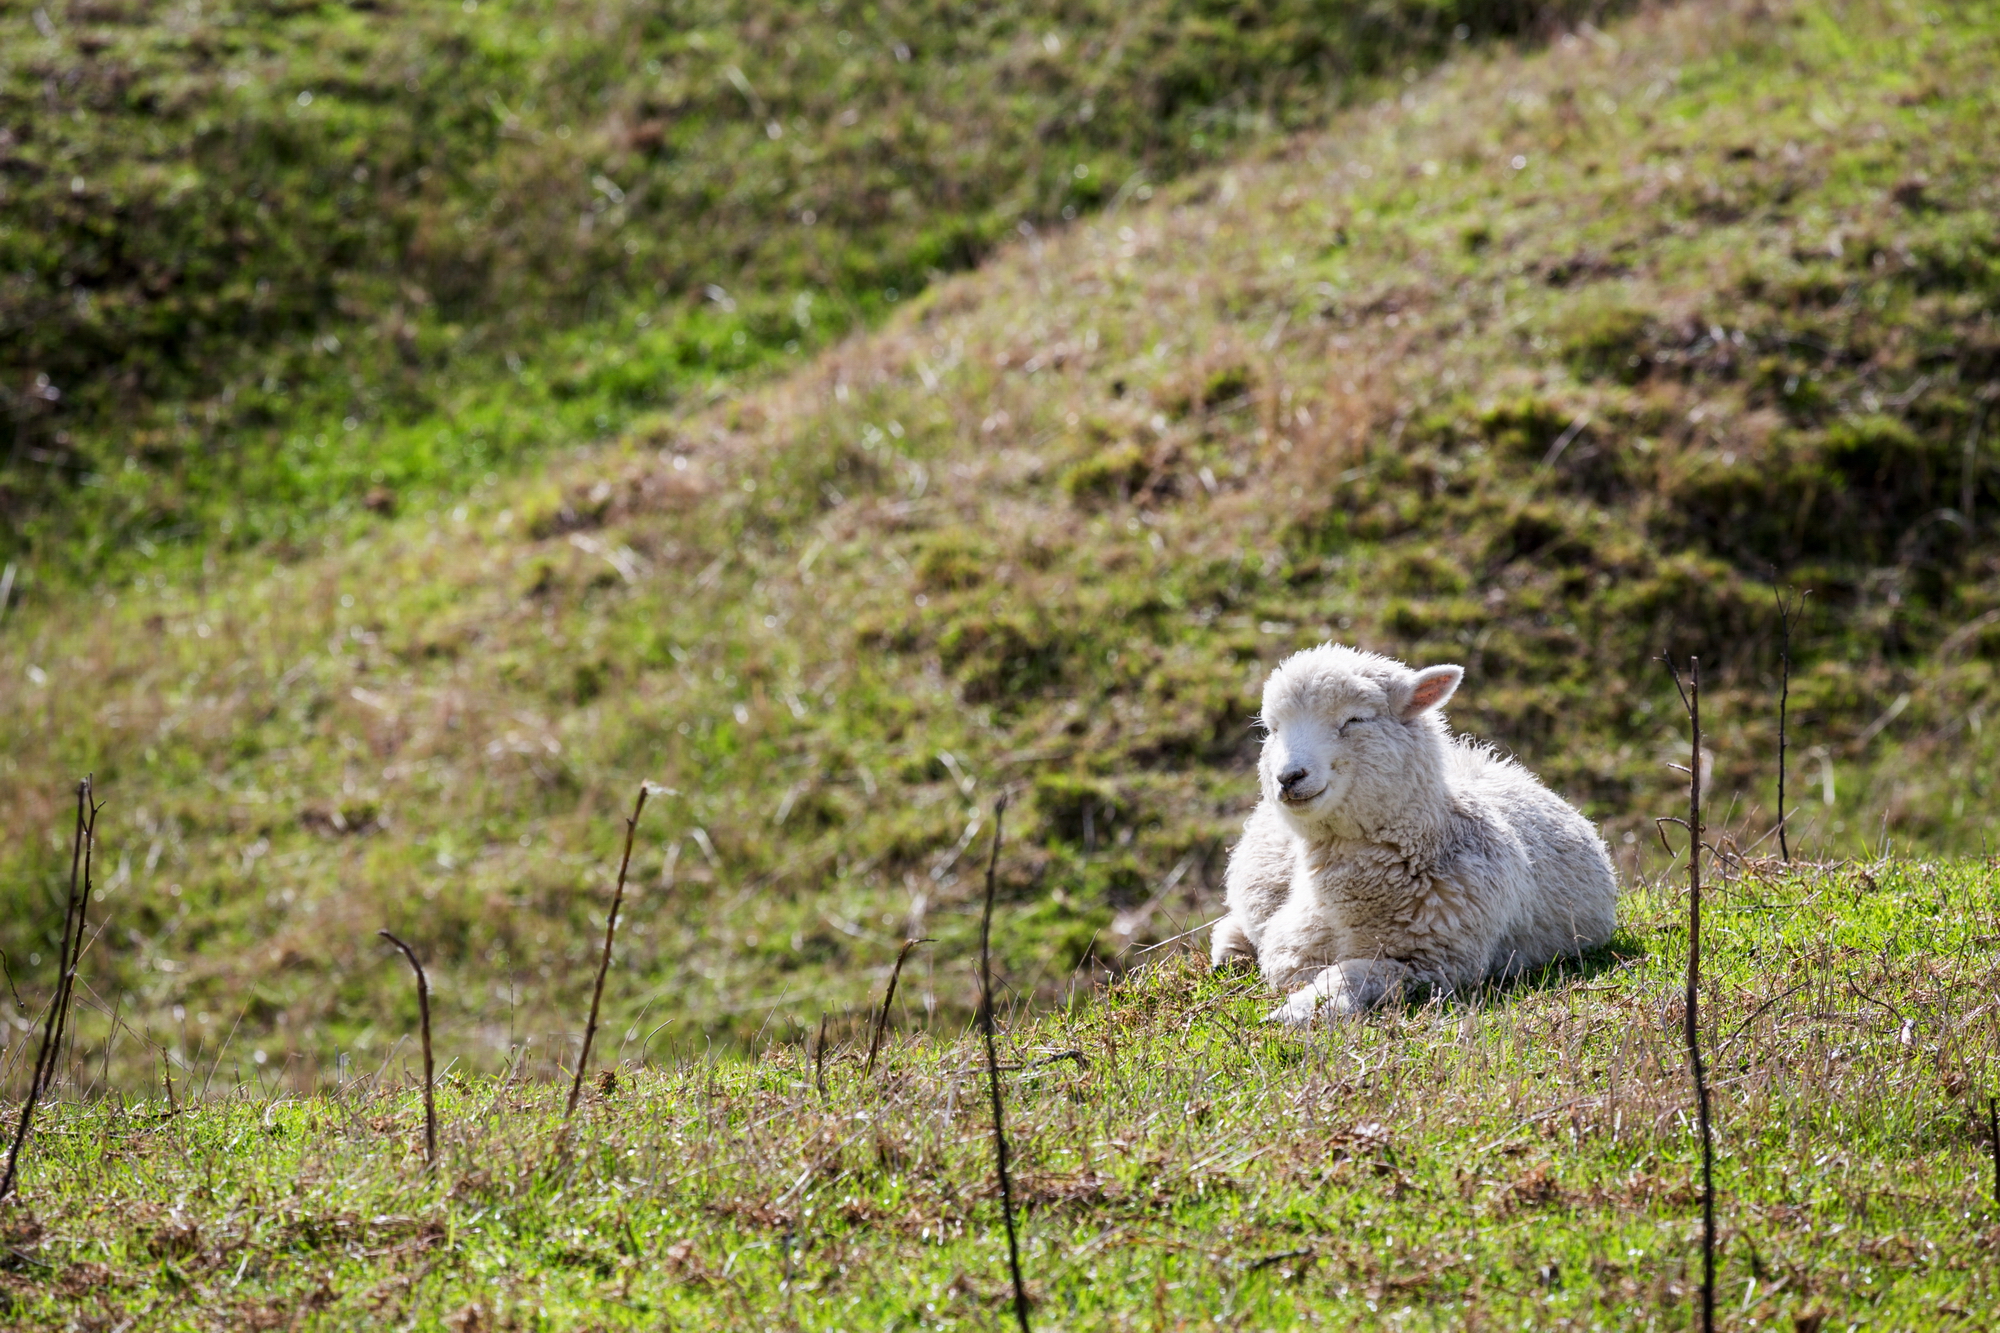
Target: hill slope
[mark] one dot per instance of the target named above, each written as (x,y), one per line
(1542,368)
(260,267)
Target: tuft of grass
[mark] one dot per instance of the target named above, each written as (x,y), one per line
(1519,1157)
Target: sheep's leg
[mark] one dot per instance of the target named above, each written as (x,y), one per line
(1229,944)
(1348,987)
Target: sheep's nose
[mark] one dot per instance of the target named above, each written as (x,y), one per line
(1290,778)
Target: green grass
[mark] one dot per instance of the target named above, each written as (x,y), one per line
(1520,1159)
(1550,363)
(266,270)
(838,615)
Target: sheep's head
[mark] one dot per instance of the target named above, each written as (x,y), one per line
(1351,737)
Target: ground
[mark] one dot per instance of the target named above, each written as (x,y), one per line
(1045,532)
(1523,1158)
(1548,359)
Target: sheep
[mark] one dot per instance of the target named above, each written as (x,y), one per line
(1387,853)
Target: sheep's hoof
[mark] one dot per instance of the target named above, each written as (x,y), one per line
(1298,1010)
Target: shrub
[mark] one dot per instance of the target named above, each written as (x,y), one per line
(1114,473)
(1009,657)
(1065,802)
(1226,385)
(1524,427)
(951,562)
(1607,340)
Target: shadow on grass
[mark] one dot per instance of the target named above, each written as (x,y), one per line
(1623,949)
(1241,984)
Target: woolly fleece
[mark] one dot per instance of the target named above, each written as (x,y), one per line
(1387,851)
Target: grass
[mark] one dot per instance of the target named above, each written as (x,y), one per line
(1548,362)
(270,271)
(837,615)
(1519,1158)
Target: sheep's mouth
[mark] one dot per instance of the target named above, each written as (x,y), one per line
(1296,798)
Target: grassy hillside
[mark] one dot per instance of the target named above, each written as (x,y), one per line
(263,269)
(1519,1160)
(1547,367)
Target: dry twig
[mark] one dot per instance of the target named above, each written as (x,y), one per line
(993,1072)
(1787,608)
(819,1058)
(604,963)
(69,959)
(1993,1124)
(75,906)
(888,995)
(424,1023)
(1691,700)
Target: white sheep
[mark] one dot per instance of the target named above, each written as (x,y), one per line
(1388,851)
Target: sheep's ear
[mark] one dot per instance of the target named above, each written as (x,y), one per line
(1432,688)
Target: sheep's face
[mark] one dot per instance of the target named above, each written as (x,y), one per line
(1348,731)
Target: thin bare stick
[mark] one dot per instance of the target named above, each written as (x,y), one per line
(424,1025)
(1786,607)
(993,1072)
(1966,491)
(45,1056)
(819,1058)
(67,998)
(882,1019)
(604,963)
(1993,1124)
(12,990)
(1691,696)
(1176,939)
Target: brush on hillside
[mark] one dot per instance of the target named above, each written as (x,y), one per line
(888,995)
(1691,700)
(75,907)
(604,962)
(993,1071)
(424,1024)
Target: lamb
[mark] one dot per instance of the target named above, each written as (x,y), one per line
(1387,852)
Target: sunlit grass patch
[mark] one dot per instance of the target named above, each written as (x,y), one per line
(1523,1155)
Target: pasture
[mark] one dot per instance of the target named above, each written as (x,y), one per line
(1520,1159)
(1545,356)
